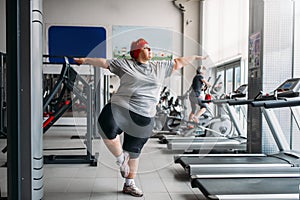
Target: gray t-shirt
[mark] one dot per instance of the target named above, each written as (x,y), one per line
(140,84)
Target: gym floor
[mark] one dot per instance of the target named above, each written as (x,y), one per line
(158,176)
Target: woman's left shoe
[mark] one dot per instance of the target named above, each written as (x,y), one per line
(132,190)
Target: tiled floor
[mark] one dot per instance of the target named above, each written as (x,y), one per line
(158,176)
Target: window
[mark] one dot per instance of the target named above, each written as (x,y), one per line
(229,80)
(237,77)
(220,84)
(230,76)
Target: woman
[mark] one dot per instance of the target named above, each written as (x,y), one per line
(133,106)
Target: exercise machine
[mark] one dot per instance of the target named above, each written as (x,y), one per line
(227,123)
(174,112)
(225,159)
(70,80)
(219,136)
(55,105)
(252,176)
(167,107)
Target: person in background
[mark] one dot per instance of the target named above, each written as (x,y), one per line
(196,96)
(132,107)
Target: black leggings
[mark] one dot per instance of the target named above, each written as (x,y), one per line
(137,129)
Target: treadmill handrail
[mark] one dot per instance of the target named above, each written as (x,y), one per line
(282,103)
(276,129)
(239,101)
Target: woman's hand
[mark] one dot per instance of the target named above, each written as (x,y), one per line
(79,61)
(97,62)
(184,61)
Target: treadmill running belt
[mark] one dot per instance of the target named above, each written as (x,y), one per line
(185,161)
(247,186)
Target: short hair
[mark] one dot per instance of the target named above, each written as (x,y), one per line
(200,69)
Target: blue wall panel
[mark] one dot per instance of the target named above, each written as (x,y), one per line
(76,41)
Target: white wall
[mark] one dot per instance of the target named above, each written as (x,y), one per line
(2,27)
(113,12)
(226,25)
(296,136)
(192,43)
(297,40)
(154,13)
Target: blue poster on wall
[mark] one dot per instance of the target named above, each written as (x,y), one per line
(76,41)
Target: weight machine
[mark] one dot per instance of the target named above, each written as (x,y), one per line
(70,80)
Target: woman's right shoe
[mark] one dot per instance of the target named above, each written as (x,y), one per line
(124,167)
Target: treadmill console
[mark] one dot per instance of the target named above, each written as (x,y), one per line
(290,85)
(240,92)
(289,88)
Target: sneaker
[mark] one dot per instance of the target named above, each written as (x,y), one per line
(124,167)
(132,190)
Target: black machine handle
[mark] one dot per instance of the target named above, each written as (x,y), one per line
(233,102)
(164,89)
(282,103)
(259,103)
(215,101)
(266,103)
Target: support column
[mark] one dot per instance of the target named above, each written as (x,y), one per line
(254,127)
(18,45)
(270,63)
(36,99)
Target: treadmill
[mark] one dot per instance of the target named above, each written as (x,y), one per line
(208,144)
(249,188)
(251,176)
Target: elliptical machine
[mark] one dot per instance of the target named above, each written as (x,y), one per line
(222,124)
(225,122)
(178,122)
(166,107)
